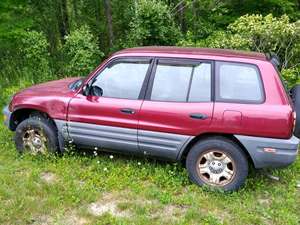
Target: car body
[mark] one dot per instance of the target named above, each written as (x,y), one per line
(161,101)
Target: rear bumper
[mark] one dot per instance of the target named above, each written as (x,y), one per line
(285,150)
(7,115)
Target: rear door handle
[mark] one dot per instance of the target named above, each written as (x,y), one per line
(198,116)
(127,111)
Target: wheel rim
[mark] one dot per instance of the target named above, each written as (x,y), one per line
(35,141)
(216,168)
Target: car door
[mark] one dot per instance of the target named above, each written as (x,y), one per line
(109,120)
(178,106)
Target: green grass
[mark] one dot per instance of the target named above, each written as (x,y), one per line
(64,190)
(139,191)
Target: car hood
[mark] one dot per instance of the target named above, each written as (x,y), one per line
(57,87)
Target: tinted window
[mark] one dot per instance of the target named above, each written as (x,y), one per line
(182,83)
(122,80)
(238,82)
(201,83)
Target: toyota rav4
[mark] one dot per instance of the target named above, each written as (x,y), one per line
(218,111)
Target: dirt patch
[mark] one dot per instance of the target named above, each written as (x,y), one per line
(43,220)
(74,219)
(48,177)
(170,212)
(174,210)
(221,215)
(264,201)
(108,204)
(68,219)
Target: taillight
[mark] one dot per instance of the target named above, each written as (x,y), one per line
(10,106)
(294,120)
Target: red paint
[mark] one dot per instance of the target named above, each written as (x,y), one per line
(51,97)
(104,111)
(273,118)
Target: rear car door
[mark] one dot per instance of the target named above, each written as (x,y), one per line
(178,106)
(110,120)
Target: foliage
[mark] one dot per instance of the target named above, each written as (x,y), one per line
(152,25)
(35,48)
(268,34)
(81,52)
(36,55)
(243,25)
(262,34)
(291,76)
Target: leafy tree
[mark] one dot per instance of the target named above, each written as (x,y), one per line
(262,34)
(81,52)
(152,25)
(35,51)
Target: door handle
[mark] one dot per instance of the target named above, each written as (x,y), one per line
(127,111)
(198,116)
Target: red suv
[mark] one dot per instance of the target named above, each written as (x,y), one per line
(219,111)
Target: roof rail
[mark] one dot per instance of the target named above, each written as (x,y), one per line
(273,58)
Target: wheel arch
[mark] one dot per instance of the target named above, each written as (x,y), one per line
(185,150)
(21,114)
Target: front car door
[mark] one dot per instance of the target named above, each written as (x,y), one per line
(109,120)
(177,107)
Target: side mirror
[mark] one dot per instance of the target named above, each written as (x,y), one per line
(96,91)
(86,90)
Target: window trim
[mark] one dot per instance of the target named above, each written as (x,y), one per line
(179,61)
(127,59)
(240,101)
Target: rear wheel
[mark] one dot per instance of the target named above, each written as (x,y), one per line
(218,163)
(295,95)
(36,135)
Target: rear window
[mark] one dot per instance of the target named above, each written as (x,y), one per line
(238,82)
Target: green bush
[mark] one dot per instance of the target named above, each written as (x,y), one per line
(152,25)
(291,76)
(81,52)
(35,51)
(268,34)
(262,34)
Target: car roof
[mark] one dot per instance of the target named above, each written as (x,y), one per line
(195,51)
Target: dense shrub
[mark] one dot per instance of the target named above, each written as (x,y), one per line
(152,25)
(81,52)
(35,51)
(262,34)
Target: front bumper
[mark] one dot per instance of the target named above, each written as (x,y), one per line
(284,152)
(7,115)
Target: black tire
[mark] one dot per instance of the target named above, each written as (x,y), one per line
(295,95)
(41,125)
(230,149)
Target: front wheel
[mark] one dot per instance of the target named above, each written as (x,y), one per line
(218,163)
(36,135)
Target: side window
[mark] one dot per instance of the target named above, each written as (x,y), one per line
(201,84)
(238,83)
(122,79)
(182,82)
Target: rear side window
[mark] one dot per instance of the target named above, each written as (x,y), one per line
(182,82)
(238,82)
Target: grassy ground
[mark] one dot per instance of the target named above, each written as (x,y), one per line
(87,188)
(84,188)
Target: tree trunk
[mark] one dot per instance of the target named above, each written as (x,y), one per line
(194,13)
(107,8)
(181,11)
(75,8)
(63,21)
